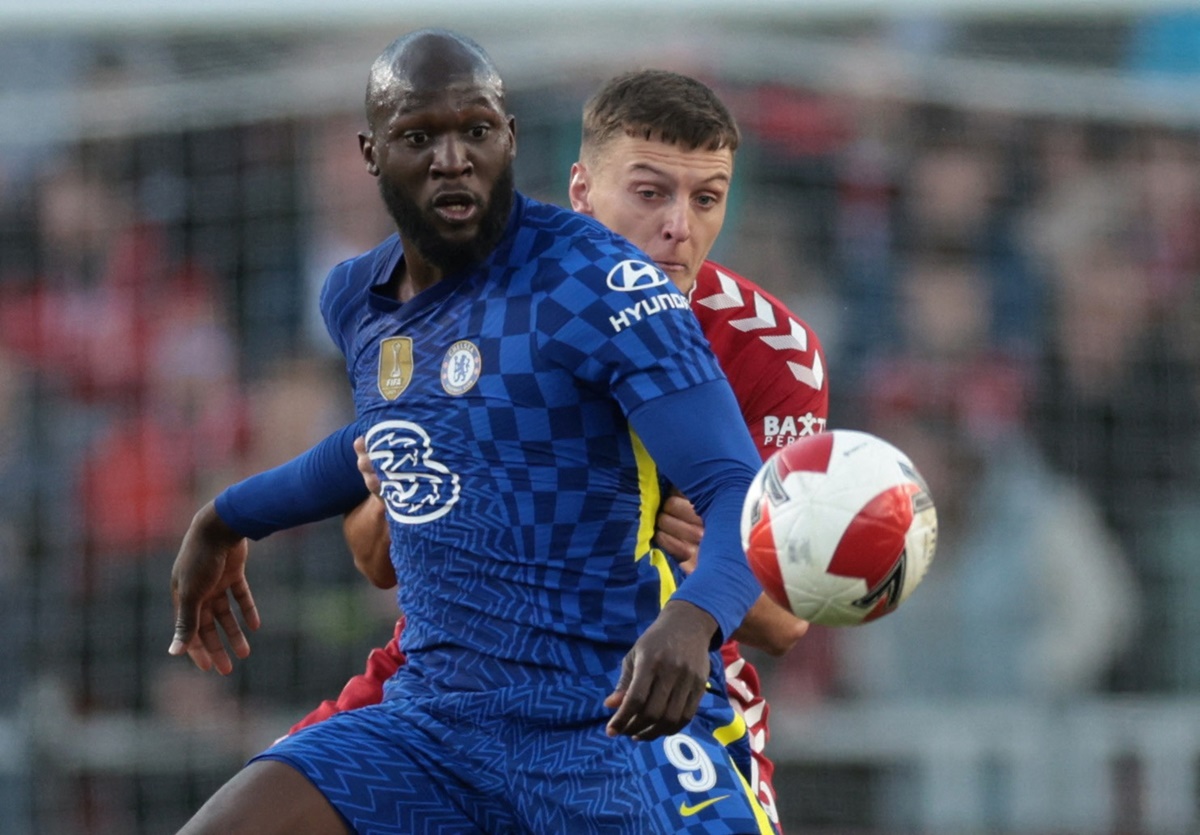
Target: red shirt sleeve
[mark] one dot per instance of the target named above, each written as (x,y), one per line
(773,359)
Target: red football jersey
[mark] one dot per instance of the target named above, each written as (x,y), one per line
(776,368)
(773,360)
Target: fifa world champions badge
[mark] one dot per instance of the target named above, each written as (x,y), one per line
(461,367)
(395,366)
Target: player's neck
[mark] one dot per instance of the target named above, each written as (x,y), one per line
(412,276)
(684,285)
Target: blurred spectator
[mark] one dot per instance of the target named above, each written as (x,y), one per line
(1117,399)
(133,401)
(1165,181)
(135,354)
(17,491)
(344,214)
(960,195)
(1029,594)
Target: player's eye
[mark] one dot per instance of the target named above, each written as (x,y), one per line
(415,138)
(708,201)
(479,132)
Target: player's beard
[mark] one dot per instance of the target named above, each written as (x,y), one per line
(451,256)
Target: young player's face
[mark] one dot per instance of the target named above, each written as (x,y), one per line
(667,200)
(444,163)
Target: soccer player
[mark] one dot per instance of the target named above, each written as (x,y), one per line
(655,165)
(517,372)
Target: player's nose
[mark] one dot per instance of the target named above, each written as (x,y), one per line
(450,157)
(677,225)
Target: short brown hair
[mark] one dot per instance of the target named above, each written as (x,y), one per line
(658,105)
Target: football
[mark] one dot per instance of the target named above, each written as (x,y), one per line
(839,527)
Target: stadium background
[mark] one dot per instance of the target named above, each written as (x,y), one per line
(989,212)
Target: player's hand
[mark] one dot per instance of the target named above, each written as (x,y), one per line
(664,674)
(678,529)
(770,627)
(370,477)
(209,569)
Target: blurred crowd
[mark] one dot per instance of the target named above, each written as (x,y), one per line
(1013,300)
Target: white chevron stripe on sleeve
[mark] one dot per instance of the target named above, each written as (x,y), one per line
(796,340)
(729,297)
(814,376)
(764,316)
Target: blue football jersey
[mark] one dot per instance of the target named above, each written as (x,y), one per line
(495,405)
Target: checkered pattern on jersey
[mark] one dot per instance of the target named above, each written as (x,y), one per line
(526,557)
(503,761)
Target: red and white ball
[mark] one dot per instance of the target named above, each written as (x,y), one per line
(839,527)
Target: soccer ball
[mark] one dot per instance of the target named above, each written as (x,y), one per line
(839,527)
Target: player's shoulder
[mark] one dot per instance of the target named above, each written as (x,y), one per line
(564,223)
(575,238)
(737,315)
(344,291)
(363,270)
(719,288)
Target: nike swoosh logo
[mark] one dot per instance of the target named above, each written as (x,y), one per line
(687,811)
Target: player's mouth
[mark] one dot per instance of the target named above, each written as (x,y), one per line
(672,268)
(456,206)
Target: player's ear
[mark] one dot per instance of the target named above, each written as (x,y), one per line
(366,147)
(579,189)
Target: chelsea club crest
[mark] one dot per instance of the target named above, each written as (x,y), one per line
(461,367)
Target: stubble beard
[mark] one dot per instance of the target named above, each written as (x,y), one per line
(417,228)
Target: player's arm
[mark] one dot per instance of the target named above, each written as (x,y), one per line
(770,627)
(712,460)
(366,530)
(767,626)
(678,529)
(322,483)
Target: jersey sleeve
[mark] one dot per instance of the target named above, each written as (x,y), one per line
(712,460)
(321,483)
(627,329)
(333,304)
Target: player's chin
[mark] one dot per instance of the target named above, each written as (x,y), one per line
(457,232)
(679,272)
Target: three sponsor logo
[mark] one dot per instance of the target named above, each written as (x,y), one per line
(416,487)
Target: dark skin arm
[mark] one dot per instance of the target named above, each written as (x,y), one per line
(209,571)
(672,649)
